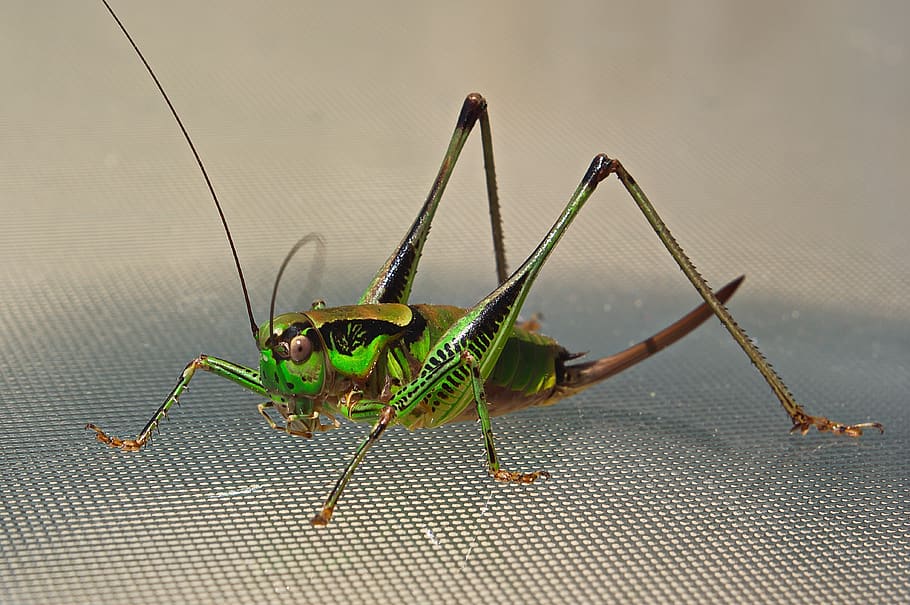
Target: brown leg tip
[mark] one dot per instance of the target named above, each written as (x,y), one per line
(322,519)
(803,424)
(802,427)
(127,445)
(523,478)
(856,430)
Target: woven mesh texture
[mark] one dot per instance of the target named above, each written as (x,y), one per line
(771,138)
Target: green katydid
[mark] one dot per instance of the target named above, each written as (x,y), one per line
(384,361)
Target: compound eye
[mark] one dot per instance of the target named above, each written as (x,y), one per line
(300,348)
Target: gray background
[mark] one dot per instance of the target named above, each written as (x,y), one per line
(772,136)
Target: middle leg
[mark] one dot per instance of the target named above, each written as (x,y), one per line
(483,413)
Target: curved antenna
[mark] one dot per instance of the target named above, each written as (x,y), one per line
(306,239)
(205,174)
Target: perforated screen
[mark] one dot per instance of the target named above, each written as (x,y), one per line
(771,137)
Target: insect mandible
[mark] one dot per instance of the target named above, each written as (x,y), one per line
(384,361)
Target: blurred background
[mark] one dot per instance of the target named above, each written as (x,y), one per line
(770,136)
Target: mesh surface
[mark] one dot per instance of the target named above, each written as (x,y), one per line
(772,140)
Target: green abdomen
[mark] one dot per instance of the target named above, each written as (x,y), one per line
(527,363)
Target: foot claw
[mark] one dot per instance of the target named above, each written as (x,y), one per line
(523,478)
(127,445)
(804,423)
(322,518)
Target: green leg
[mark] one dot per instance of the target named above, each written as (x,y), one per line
(802,421)
(365,411)
(483,413)
(243,376)
(393,281)
(385,418)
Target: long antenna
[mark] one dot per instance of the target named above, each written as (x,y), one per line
(205,174)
